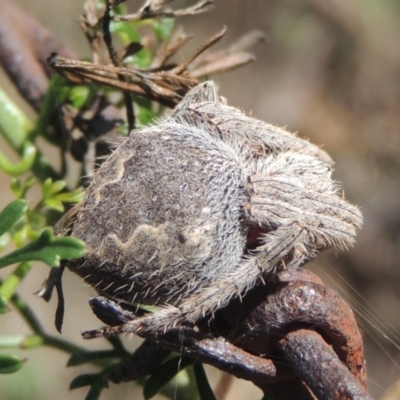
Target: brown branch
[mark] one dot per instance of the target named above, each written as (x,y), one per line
(223,355)
(320,368)
(24,48)
(148,12)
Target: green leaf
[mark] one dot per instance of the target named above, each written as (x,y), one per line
(4,241)
(50,188)
(90,356)
(57,186)
(37,222)
(79,96)
(96,389)
(20,235)
(97,382)
(10,363)
(145,115)
(14,125)
(3,305)
(164,28)
(144,110)
(126,32)
(142,59)
(21,341)
(75,196)
(20,189)
(54,204)
(28,154)
(47,248)
(164,374)
(94,392)
(83,380)
(203,386)
(11,341)
(11,214)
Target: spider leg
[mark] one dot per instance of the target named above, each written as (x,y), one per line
(233,283)
(204,92)
(202,108)
(291,187)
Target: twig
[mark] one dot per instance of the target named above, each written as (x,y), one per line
(24,48)
(320,368)
(268,312)
(214,39)
(268,315)
(83,70)
(147,12)
(130,113)
(223,355)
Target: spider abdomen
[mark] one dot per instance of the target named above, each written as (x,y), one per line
(163,215)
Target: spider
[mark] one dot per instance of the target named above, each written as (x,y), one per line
(194,211)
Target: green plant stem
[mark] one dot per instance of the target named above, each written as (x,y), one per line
(10,285)
(28,156)
(15,127)
(40,337)
(35,325)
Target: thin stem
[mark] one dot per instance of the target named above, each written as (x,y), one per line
(130,113)
(10,285)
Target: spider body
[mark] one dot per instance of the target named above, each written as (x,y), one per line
(198,209)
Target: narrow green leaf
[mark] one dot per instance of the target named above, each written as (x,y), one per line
(57,186)
(47,248)
(10,363)
(11,341)
(28,154)
(20,189)
(79,96)
(23,342)
(14,125)
(16,187)
(11,214)
(164,28)
(31,342)
(20,235)
(145,115)
(203,386)
(96,389)
(89,356)
(3,305)
(75,196)
(94,393)
(83,380)
(126,32)
(4,241)
(164,374)
(46,188)
(54,204)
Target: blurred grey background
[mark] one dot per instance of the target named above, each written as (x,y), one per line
(327,70)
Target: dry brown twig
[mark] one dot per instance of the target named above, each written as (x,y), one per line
(149,10)
(163,83)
